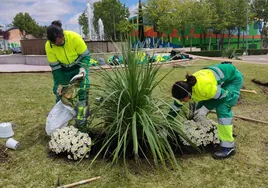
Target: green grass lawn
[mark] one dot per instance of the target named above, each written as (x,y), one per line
(26,99)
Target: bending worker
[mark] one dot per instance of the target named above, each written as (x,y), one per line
(214,87)
(68,56)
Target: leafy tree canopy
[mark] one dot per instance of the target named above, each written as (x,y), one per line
(111,12)
(83,22)
(28,25)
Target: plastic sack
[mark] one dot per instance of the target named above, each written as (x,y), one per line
(59,117)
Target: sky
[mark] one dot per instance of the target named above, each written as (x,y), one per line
(45,11)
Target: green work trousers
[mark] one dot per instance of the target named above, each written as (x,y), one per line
(224,108)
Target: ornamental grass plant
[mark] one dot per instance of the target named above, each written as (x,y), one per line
(135,122)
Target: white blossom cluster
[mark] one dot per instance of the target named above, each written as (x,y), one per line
(201,133)
(68,139)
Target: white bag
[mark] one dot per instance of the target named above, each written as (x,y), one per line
(59,117)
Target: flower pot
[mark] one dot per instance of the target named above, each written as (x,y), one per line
(6,130)
(12,144)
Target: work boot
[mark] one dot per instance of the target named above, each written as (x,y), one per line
(223,153)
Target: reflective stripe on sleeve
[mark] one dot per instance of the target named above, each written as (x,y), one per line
(220,73)
(175,108)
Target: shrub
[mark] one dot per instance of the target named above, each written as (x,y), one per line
(135,122)
(257,51)
(216,53)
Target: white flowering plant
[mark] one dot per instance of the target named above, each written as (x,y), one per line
(201,133)
(71,141)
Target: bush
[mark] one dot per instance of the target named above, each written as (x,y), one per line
(5,52)
(215,53)
(135,122)
(257,51)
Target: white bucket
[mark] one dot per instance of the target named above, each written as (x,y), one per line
(6,130)
(12,144)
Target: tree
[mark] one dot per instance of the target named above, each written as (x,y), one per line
(125,27)
(260,10)
(140,27)
(83,22)
(24,22)
(203,15)
(158,14)
(5,34)
(111,12)
(40,31)
(28,25)
(182,16)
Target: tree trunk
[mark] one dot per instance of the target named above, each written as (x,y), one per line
(229,37)
(205,37)
(191,42)
(201,41)
(183,38)
(209,43)
(262,33)
(217,41)
(238,38)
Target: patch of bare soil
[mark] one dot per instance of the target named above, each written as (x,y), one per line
(3,154)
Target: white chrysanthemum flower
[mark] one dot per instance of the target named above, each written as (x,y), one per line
(201,133)
(70,140)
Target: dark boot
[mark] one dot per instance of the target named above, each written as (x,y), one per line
(224,153)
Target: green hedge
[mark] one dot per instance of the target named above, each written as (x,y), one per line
(257,51)
(5,52)
(218,53)
(215,53)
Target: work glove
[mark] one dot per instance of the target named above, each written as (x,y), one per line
(59,90)
(80,76)
(200,113)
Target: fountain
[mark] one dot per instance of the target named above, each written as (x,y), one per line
(101,29)
(92,34)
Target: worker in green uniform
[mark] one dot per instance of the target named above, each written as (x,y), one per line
(69,59)
(214,87)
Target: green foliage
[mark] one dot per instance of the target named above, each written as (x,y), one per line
(4,34)
(216,53)
(257,51)
(157,13)
(5,52)
(260,9)
(135,122)
(125,27)
(28,25)
(83,22)
(111,12)
(229,52)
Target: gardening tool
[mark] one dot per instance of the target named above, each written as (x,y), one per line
(78,77)
(77,183)
(246,118)
(248,91)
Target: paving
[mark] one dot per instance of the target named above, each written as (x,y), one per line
(22,68)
